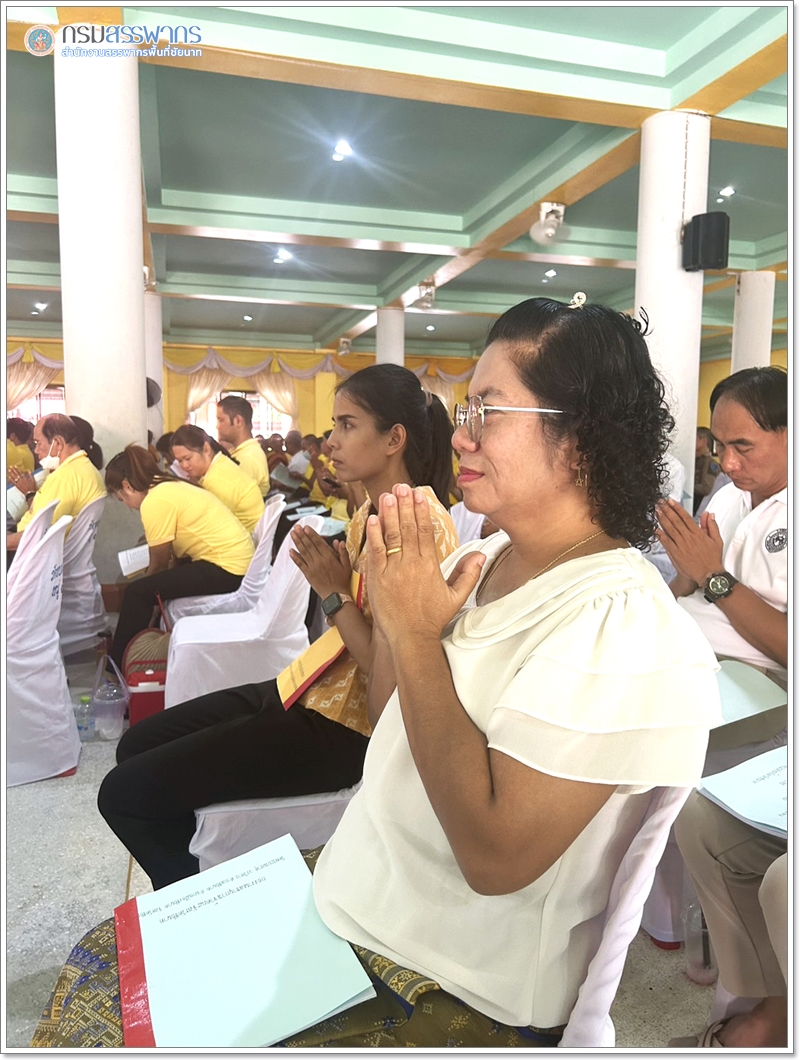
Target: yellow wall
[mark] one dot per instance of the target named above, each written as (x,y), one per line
(713,372)
(324,383)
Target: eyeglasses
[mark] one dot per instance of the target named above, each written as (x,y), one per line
(472,415)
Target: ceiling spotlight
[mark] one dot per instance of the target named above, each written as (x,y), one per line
(284,254)
(41,306)
(34,312)
(344,345)
(247,318)
(430,327)
(427,294)
(337,157)
(551,273)
(720,200)
(726,192)
(544,280)
(550,227)
(343,148)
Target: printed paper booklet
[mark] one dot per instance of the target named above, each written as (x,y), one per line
(237,956)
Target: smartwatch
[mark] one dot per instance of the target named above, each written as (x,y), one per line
(718,586)
(334,603)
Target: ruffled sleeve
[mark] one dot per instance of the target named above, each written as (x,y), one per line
(621,691)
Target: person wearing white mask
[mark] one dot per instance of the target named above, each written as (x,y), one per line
(72,479)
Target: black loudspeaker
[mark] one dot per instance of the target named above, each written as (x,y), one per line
(705,241)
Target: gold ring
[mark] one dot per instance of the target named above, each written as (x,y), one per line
(391,551)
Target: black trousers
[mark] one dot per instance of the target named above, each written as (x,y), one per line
(239,743)
(198,578)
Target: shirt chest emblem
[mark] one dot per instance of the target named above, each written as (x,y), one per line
(776,541)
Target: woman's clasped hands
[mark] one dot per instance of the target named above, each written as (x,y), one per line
(327,568)
(408,594)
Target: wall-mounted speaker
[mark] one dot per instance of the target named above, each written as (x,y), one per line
(705,241)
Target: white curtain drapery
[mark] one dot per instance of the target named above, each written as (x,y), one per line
(25,379)
(443,390)
(203,385)
(278,389)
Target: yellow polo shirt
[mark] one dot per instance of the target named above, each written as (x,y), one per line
(75,483)
(18,456)
(253,461)
(316,493)
(235,489)
(197,525)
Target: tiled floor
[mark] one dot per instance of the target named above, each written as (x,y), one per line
(66,871)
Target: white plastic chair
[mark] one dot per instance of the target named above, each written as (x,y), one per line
(590,1025)
(41,734)
(209,652)
(249,592)
(228,829)
(83,613)
(33,533)
(468,524)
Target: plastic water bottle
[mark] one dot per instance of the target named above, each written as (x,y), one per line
(701,965)
(85,719)
(108,705)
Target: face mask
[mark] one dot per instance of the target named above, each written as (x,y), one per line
(50,463)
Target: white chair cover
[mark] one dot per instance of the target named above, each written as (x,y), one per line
(249,592)
(83,613)
(209,652)
(231,828)
(41,734)
(468,524)
(590,1025)
(33,532)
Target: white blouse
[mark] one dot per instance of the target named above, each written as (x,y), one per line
(591,672)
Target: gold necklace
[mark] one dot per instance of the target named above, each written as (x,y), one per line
(504,555)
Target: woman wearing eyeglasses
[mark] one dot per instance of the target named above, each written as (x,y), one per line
(524,697)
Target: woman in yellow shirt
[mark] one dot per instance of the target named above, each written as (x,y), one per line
(182,523)
(205,462)
(241,743)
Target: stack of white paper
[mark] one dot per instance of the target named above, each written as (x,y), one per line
(134,560)
(754,791)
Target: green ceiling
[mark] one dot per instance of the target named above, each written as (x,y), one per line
(460,118)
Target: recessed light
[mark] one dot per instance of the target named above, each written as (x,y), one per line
(720,200)
(34,312)
(343,148)
(544,281)
(551,273)
(430,327)
(247,318)
(41,306)
(727,191)
(337,157)
(278,261)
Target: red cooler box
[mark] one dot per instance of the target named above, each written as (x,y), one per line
(147,693)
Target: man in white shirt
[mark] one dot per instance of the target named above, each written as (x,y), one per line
(733,579)
(299,458)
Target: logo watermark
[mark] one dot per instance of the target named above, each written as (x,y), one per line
(162,40)
(40,40)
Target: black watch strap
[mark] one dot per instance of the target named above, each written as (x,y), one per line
(718,586)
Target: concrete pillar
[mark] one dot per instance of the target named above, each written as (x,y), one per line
(673,187)
(102,288)
(100,232)
(154,358)
(391,334)
(752,320)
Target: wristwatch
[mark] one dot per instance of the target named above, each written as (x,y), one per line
(718,586)
(334,603)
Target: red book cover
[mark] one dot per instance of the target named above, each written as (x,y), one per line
(137,1026)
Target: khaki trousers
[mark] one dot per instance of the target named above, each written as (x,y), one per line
(728,861)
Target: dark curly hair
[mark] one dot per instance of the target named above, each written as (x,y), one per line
(593,363)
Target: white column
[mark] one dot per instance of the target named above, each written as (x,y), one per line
(100,232)
(390,338)
(154,358)
(752,320)
(673,187)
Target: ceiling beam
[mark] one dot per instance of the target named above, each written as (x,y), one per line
(90,16)
(742,80)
